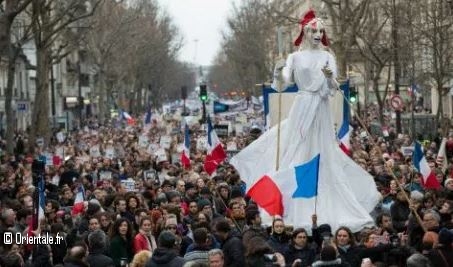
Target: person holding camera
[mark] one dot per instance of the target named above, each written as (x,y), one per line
(260,254)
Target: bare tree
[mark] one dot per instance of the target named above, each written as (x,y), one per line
(248,46)
(434,28)
(9,52)
(50,19)
(375,50)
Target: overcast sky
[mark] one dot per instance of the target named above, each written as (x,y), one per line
(200,20)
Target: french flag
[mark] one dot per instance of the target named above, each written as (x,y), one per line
(79,201)
(429,180)
(345,129)
(215,154)
(275,191)
(185,154)
(128,118)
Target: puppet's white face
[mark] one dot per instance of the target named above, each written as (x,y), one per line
(314,34)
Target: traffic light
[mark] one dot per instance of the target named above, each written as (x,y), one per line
(203,93)
(353,96)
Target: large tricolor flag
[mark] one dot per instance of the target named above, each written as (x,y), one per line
(215,154)
(429,180)
(345,128)
(185,154)
(79,201)
(271,192)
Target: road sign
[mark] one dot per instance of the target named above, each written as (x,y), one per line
(21,106)
(396,102)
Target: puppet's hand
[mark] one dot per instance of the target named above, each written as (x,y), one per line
(327,72)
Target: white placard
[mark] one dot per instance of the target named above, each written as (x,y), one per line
(129,184)
(407,150)
(202,143)
(152,148)
(161,155)
(165,141)
(49,159)
(105,175)
(110,152)
(232,146)
(239,129)
(95,152)
(60,137)
(143,141)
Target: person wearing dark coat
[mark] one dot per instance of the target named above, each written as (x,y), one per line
(329,258)
(300,249)
(400,212)
(442,256)
(232,246)
(165,255)
(76,257)
(279,239)
(347,248)
(97,244)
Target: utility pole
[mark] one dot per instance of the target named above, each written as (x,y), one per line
(396,63)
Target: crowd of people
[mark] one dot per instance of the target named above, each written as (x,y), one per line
(183,217)
(119,196)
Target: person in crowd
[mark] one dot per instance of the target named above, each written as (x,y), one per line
(121,240)
(77,257)
(200,248)
(216,258)
(253,227)
(192,213)
(346,245)
(299,250)
(97,245)
(166,253)
(400,212)
(232,246)
(279,239)
(259,253)
(222,199)
(329,257)
(442,255)
(140,259)
(144,239)
(418,260)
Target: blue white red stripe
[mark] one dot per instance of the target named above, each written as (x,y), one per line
(185,154)
(429,180)
(345,129)
(215,154)
(79,201)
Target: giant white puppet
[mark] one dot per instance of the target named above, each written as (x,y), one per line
(346,193)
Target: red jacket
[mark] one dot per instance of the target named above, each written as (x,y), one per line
(141,242)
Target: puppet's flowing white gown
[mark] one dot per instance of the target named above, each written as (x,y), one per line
(346,192)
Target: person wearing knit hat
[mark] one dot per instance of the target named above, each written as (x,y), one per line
(448,181)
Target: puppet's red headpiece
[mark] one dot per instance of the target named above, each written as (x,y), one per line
(307,18)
